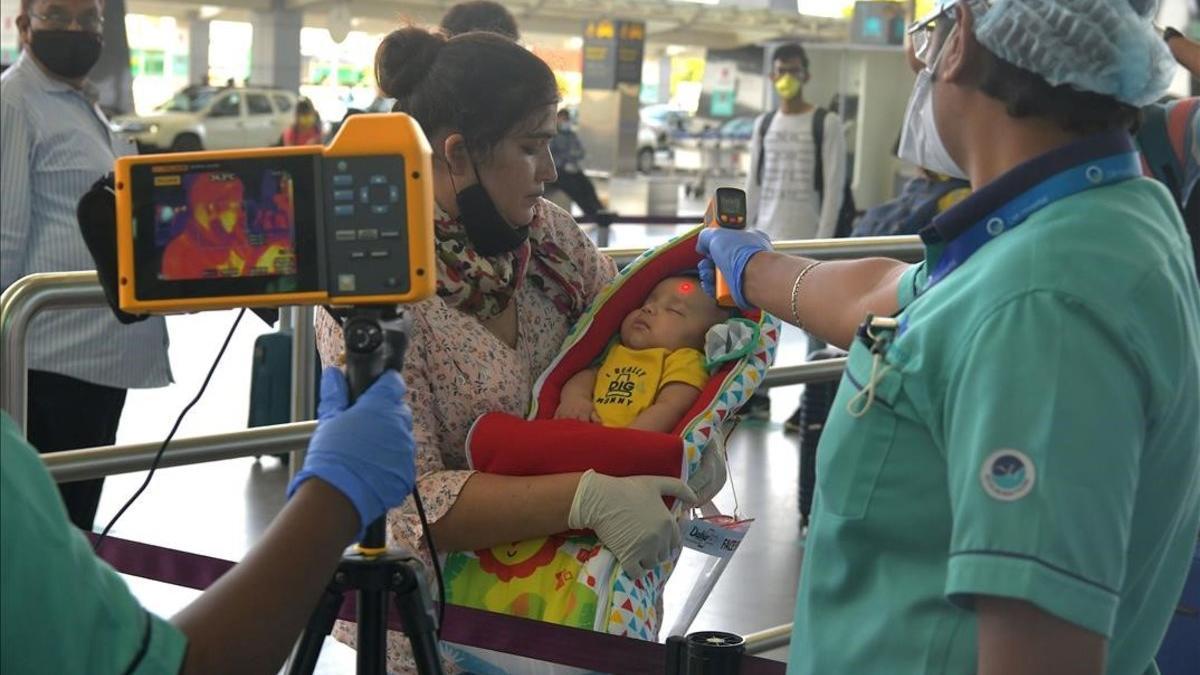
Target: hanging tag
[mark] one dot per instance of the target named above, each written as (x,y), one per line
(718,536)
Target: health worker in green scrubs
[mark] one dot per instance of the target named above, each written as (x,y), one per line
(1009,479)
(63,610)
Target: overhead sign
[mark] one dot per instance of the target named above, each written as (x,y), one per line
(878,23)
(613,50)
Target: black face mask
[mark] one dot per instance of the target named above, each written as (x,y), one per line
(70,54)
(489,233)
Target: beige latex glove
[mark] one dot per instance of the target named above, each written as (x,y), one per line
(629,517)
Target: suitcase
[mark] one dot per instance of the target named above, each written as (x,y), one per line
(815,403)
(271,381)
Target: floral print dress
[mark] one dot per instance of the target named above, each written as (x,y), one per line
(456,370)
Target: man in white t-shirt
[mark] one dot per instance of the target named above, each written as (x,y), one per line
(784,201)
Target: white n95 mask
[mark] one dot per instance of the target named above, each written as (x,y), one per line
(920,143)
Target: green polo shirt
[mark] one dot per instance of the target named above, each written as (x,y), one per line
(63,610)
(1031,431)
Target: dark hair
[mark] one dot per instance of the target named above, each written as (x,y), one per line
(789,52)
(482,15)
(1026,94)
(479,84)
(27,5)
(304,107)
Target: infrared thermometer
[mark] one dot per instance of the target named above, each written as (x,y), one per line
(726,208)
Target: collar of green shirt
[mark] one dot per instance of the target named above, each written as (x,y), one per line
(959,218)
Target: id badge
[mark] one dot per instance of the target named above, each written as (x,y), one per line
(718,536)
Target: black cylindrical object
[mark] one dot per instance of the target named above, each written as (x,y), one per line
(712,653)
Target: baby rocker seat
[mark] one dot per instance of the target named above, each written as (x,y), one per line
(569,578)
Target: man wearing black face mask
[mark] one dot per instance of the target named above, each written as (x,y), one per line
(54,143)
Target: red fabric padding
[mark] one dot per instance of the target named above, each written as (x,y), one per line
(680,257)
(510,446)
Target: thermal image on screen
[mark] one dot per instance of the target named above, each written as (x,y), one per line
(213,224)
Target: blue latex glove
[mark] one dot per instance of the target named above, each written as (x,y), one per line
(729,251)
(365,451)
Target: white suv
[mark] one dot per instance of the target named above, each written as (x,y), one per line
(212,118)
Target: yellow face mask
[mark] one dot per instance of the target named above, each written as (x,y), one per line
(308,120)
(788,86)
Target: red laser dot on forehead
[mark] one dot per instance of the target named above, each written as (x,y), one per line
(685,287)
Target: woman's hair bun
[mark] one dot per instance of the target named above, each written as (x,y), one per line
(404,58)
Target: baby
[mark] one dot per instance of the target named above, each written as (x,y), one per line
(651,376)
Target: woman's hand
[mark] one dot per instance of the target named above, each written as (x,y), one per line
(729,251)
(629,517)
(576,409)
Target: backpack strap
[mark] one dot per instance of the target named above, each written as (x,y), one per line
(761,141)
(818,134)
(1154,141)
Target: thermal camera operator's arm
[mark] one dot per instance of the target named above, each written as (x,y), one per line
(831,300)
(362,458)
(69,612)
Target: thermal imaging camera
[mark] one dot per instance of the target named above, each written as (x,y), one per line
(346,224)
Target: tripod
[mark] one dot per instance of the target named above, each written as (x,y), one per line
(370,568)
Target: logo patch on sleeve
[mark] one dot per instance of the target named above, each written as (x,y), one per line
(1007,475)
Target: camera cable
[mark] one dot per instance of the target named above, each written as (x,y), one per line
(178,420)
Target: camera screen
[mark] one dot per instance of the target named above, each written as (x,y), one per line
(220,228)
(731,202)
(211,224)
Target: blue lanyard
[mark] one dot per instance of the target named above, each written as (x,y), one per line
(1113,169)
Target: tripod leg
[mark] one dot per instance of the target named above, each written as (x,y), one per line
(420,628)
(320,624)
(372,632)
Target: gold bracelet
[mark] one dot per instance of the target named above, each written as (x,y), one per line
(796,290)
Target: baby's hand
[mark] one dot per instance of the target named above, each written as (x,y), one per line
(576,409)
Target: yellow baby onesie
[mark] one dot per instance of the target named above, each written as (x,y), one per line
(629,380)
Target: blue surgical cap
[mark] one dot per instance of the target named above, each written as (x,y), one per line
(1107,47)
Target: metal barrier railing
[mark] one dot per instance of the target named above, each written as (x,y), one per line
(98,462)
(30,295)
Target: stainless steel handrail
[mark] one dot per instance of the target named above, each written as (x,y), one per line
(757,643)
(72,290)
(304,385)
(113,459)
(19,303)
(907,248)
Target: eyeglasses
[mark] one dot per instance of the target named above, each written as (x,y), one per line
(61,20)
(922,36)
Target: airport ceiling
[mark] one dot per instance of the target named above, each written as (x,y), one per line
(667,21)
